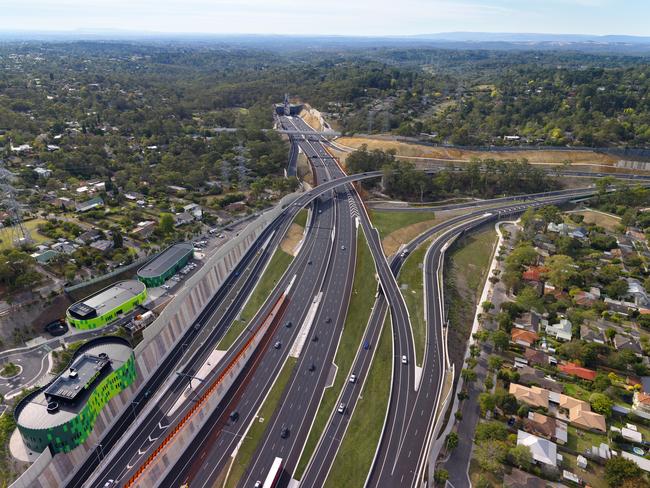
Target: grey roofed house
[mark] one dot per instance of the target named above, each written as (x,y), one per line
(88,236)
(636,293)
(530,375)
(624,343)
(520,479)
(590,335)
(543,450)
(90,204)
(102,245)
(183,218)
(529,321)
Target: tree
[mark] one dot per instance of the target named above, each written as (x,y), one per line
(520,456)
(492,430)
(601,404)
(486,402)
(619,470)
(491,454)
(166,224)
(527,299)
(501,340)
(562,270)
(617,289)
(452,441)
(506,402)
(487,305)
(440,476)
(610,333)
(468,375)
(495,362)
(118,241)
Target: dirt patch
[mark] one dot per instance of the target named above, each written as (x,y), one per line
(291,240)
(312,117)
(455,155)
(606,221)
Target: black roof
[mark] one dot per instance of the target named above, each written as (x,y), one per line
(166,260)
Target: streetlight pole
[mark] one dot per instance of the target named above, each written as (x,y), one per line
(190,378)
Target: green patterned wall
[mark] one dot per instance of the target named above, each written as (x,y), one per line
(110,316)
(65,437)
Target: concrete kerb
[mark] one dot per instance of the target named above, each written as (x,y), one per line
(439,442)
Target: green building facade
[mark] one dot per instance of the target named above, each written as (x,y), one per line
(71,425)
(107,305)
(166,264)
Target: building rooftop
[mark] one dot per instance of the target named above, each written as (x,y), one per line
(543,451)
(166,260)
(106,300)
(69,393)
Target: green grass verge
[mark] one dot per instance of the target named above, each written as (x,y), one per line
(474,257)
(357,450)
(411,276)
(274,271)
(31,226)
(388,222)
(361,302)
(256,432)
(301,218)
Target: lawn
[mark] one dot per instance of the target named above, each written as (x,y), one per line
(411,276)
(576,391)
(301,218)
(593,476)
(361,302)
(605,220)
(579,440)
(358,447)
(274,271)
(388,222)
(256,432)
(31,226)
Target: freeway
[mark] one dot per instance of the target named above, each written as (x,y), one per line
(306,381)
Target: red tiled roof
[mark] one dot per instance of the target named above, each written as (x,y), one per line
(534,273)
(579,371)
(523,335)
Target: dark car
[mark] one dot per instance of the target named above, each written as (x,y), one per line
(314,338)
(234,415)
(284,433)
(329,320)
(366,345)
(312,367)
(288,324)
(57,327)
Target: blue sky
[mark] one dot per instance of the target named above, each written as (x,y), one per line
(347,17)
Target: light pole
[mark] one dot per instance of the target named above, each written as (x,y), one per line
(190,378)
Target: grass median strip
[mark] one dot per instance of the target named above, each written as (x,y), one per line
(301,218)
(412,287)
(353,461)
(274,271)
(256,432)
(361,302)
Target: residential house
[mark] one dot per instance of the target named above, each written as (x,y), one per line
(521,479)
(561,331)
(576,411)
(534,273)
(636,293)
(64,203)
(103,245)
(619,306)
(543,450)
(43,172)
(144,229)
(533,376)
(625,343)
(579,233)
(585,298)
(87,237)
(641,462)
(45,257)
(590,335)
(534,356)
(635,233)
(562,229)
(523,337)
(641,404)
(547,427)
(91,204)
(572,369)
(528,321)
(64,247)
(183,218)
(195,210)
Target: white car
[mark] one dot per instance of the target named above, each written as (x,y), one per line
(341,408)
(166,287)
(353,378)
(405,359)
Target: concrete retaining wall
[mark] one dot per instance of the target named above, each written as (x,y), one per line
(159,339)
